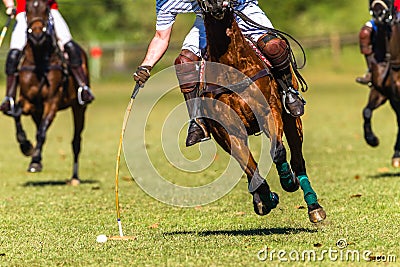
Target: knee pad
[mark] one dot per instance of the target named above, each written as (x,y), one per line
(365,40)
(187,70)
(275,50)
(74,54)
(13,57)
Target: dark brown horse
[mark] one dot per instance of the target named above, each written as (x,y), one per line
(256,101)
(46,86)
(385,79)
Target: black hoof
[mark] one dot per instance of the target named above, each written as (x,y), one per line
(316,213)
(372,140)
(35,167)
(264,203)
(26,148)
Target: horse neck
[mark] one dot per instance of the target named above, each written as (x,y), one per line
(226,43)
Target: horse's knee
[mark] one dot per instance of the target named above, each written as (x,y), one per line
(279,156)
(275,49)
(367,113)
(187,72)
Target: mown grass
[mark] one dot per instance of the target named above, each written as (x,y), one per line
(46,223)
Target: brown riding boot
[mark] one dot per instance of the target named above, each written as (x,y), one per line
(188,75)
(277,52)
(8,106)
(84,93)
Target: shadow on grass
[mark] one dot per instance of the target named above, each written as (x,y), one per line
(55,183)
(385,175)
(248,232)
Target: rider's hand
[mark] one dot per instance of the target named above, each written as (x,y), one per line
(142,74)
(10,11)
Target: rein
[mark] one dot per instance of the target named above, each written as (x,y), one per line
(283,35)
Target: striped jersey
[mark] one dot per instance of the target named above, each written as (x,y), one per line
(167,10)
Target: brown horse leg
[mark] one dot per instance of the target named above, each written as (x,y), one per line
(79,123)
(263,199)
(24,144)
(294,135)
(375,100)
(42,125)
(396,156)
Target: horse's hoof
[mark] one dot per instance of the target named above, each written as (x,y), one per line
(396,162)
(316,213)
(35,167)
(292,186)
(264,204)
(372,140)
(26,148)
(74,182)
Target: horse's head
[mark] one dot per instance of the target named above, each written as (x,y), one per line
(37,16)
(381,11)
(216,8)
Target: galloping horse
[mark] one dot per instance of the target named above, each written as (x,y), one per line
(385,80)
(46,86)
(227,45)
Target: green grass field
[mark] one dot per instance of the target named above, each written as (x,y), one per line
(43,222)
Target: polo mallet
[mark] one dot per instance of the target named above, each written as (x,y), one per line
(126,117)
(4,31)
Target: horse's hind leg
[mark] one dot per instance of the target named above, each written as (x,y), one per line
(24,144)
(396,156)
(375,100)
(79,123)
(294,135)
(263,199)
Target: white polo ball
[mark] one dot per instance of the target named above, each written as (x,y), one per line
(101,238)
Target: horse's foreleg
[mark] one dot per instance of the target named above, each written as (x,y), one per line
(42,127)
(24,144)
(79,123)
(263,199)
(396,156)
(375,100)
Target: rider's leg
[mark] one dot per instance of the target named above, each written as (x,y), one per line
(366,49)
(8,104)
(277,52)
(188,76)
(74,53)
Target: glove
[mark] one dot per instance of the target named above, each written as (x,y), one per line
(142,74)
(10,11)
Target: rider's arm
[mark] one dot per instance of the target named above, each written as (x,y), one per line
(157,47)
(8,3)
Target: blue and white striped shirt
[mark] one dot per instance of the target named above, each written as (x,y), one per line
(167,10)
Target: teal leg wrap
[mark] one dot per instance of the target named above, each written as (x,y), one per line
(285,174)
(309,195)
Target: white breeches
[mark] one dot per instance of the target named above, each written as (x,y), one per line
(18,36)
(195,40)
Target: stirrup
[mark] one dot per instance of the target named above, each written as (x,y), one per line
(14,110)
(294,92)
(196,128)
(79,95)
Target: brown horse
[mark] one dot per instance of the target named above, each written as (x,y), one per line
(256,101)
(385,78)
(46,86)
